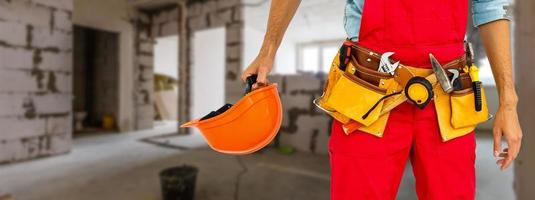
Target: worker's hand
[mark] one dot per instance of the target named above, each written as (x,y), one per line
(261,66)
(506,124)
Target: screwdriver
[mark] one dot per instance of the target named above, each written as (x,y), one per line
(473,71)
(476,86)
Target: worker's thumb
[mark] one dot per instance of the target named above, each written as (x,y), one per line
(497,142)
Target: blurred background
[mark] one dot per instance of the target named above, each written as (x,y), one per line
(92,93)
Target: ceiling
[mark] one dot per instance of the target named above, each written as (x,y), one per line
(314,20)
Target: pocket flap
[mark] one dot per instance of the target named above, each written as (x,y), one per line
(354,97)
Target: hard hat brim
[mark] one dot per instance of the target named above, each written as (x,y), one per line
(249,125)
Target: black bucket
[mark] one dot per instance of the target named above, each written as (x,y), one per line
(178,183)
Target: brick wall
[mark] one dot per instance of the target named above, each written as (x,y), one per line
(144,73)
(304,126)
(35,78)
(151,24)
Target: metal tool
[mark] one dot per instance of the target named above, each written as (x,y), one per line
(385,65)
(455,80)
(473,71)
(441,75)
(469,52)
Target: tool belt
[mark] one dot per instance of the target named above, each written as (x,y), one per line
(361,97)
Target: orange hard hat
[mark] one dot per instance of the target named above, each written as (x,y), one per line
(245,127)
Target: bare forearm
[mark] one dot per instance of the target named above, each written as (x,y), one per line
(280,15)
(496,39)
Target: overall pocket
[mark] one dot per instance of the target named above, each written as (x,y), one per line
(463,112)
(356,99)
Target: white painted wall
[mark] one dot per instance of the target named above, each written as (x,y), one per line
(252,42)
(208,71)
(166,56)
(114,16)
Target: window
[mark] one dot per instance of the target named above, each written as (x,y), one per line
(310,59)
(316,57)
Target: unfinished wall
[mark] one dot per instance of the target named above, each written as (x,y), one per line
(144,72)
(524,59)
(304,126)
(35,78)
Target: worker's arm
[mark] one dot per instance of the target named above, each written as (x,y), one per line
(280,15)
(496,39)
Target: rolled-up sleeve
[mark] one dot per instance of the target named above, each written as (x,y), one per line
(485,11)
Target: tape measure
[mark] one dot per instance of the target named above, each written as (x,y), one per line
(419,91)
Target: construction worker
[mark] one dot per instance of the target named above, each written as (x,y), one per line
(367,166)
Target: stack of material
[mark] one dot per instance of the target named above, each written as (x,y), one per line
(166,104)
(165,98)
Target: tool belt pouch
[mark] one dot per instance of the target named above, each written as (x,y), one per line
(463,112)
(334,75)
(357,99)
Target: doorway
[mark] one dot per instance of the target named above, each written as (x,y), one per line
(95,80)
(166,79)
(207,82)
(208,71)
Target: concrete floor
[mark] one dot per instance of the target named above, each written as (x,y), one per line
(119,166)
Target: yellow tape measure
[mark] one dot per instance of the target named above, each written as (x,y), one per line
(419,91)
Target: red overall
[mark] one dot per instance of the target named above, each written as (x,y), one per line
(364,166)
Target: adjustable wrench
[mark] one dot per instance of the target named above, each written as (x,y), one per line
(385,65)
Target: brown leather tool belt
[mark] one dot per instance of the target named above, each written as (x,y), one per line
(361,97)
(366,63)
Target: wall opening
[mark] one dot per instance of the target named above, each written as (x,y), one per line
(95,80)
(166,79)
(208,71)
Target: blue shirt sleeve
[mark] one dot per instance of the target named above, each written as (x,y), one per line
(352,17)
(485,11)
